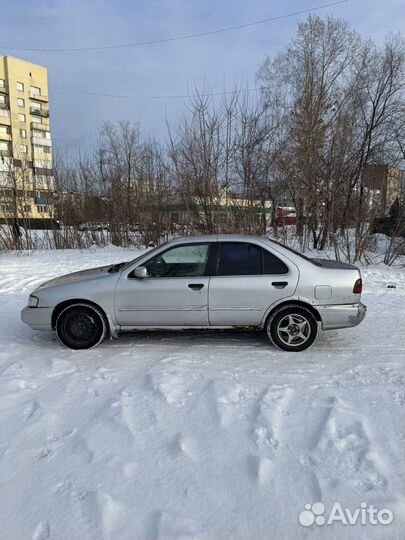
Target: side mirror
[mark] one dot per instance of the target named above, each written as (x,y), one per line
(141,272)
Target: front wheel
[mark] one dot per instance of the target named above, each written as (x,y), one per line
(81,326)
(292,328)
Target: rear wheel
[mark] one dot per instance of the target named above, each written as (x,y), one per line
(81,326)
(292,328)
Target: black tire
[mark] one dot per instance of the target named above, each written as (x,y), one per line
(292,328)
(81,326)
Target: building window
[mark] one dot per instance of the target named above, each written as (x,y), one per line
(20,102)
(20,87)
(4,129)
(3,146)
(42,208)
(35,91)
(2,100)
(21,117)
(2,83)
(35,106)
(27,208)
(36,120)
(23,133)
(23,148)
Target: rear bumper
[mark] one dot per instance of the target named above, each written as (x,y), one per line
(39,318)
(341,315)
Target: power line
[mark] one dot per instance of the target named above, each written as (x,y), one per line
(175,38)
(175,96)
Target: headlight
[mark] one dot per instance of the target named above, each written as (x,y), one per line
(33,301)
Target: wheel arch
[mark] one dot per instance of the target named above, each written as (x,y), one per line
(300,303)
(72,301)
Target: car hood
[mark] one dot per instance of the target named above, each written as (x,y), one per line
(83,275)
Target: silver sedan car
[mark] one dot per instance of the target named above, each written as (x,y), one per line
(210,281)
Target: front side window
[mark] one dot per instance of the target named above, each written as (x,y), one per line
(181,261)
(21,117)
(21,102)
(20,87)
(239,259)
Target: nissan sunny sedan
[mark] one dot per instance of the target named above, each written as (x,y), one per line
(211,281)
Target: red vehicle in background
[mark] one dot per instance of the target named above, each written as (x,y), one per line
(285,215)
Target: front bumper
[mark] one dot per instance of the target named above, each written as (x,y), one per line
(39,318)
(341,315)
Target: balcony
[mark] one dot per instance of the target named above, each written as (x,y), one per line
(42,141)
(5,136)
(42,166)
(5,117)
(5,180)
(39,97)
(44,182)
(43,113)
(40,127)
(44,200)
(6,163)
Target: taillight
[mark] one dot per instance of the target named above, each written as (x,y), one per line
(358,286)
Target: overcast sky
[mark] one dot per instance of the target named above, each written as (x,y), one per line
(165,69)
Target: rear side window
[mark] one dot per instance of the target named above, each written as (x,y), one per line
(272,264)
(244,259)
(239,259)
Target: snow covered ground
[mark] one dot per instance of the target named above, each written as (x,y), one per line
(209,436)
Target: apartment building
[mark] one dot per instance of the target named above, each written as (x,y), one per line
(26,176)
(384,184)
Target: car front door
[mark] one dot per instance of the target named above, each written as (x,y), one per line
(249,279)
(175,293)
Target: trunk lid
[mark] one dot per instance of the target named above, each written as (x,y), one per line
(328,263)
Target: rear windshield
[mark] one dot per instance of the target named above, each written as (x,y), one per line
(313,261)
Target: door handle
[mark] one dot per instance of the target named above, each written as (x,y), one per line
(196,286)
(279,284)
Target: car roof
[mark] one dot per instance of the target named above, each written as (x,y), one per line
(218,238)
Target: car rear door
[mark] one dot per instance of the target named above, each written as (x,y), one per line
(249,279)
(174,294)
